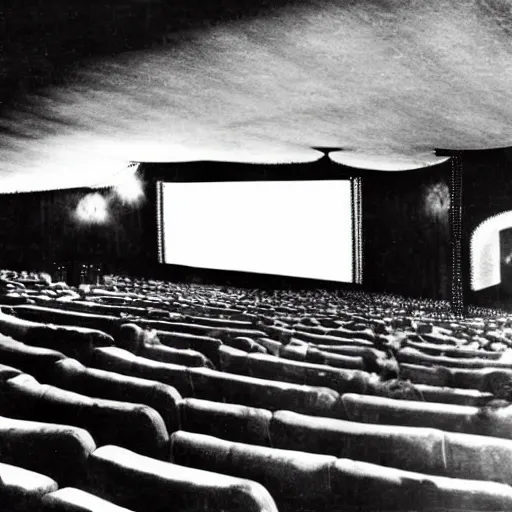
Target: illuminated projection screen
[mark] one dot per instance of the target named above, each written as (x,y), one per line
(308,229)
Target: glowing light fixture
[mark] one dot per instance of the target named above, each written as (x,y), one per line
(92,209)
(129,189)
(437,201)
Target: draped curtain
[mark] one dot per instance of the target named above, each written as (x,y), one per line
(40,229)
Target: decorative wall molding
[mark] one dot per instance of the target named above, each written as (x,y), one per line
(456,189)
(357,230)
(160,221)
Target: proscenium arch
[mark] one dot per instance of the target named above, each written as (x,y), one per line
(485,251)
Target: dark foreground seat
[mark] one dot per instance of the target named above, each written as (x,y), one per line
(143,484)
(322,482)
(71,375)
(132,425)
(296,480)
(21,490)
(70,499)
(59,451)
(8,372)
(34,360)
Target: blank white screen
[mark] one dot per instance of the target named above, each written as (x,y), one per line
(289,228)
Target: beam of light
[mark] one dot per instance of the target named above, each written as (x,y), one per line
(92,209)
(437,201)
(130,189)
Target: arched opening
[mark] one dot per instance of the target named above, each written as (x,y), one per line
(485,251)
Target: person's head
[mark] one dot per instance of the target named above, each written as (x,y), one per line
(46,278)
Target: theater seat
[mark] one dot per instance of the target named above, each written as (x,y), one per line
(133,425)
(75,500)
(336,336)
(319,482)
(415,356)
(206,345)
(103,323)
(223,387)
(71,375)
(218,322)
(34,360)
(295,479)
(264,393)
(59,451)
(266,366)
(134,339)
(456,396)
(21,490)
(413,449)
(431,376)
(271,346)
(204,330)
(315,355)
(76,342)
(486,421)
(226,421)
(117,360)
(143,484)
(8,372)
(246,343)
(371,487)
(450,351)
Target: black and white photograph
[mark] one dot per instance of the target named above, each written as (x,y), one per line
(256,256)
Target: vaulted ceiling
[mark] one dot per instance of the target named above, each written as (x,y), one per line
(88,87)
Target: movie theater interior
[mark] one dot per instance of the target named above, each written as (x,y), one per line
(256,256)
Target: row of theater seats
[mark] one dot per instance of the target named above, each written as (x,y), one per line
(214,412)
(141,413)
(230,387)
(486,380)
(431,461)
(22,490)
(198,351)
(341,351)
(109,478)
